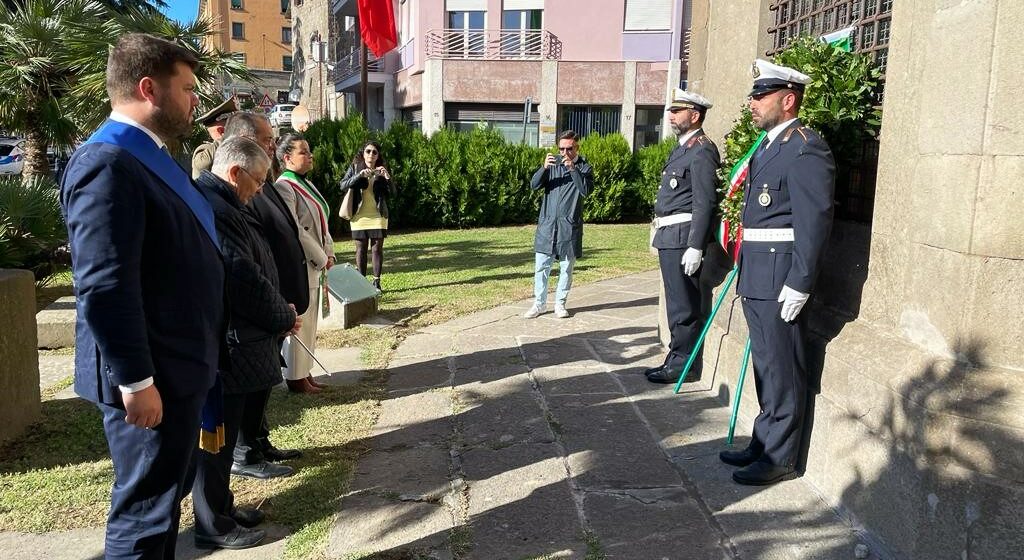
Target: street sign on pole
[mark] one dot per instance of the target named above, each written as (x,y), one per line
(266,102)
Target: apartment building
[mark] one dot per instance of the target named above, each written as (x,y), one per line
(258,33)
(528,68)
(313,31)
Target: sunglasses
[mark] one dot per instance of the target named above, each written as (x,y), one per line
(374,152)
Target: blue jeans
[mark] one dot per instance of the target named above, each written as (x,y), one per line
(542,269)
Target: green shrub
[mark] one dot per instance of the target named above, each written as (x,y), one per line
(476,178)
(334,142)
(839,103)
(612,160)
(32,232)
(650,161)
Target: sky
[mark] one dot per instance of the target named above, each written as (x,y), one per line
(181,10)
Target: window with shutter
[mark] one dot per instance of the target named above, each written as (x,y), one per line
(648,15)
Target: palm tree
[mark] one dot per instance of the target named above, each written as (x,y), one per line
(34,79)
(53,56)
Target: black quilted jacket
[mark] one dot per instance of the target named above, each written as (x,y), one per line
(257,313)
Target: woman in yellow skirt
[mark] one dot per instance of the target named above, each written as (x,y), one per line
(371,185)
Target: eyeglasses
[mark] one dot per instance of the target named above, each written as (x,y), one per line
(374,152)
(569,149)
(251,176)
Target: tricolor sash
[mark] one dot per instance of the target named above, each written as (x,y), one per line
(309,192)
(141,147)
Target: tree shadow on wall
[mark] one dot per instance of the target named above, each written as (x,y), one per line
(928,462)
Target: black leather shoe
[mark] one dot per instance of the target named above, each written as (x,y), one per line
(740,458)
(247,517)
(236,539)
(653,370)
(274,454)
(663,375)
(262,470)
(760,473)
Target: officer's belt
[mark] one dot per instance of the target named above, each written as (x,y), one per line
(768,234)
(673,219)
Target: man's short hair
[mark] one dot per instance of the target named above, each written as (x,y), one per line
(243,124)
(569,135)
(137,56)
(242,152)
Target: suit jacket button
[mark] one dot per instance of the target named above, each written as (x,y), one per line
(772,250)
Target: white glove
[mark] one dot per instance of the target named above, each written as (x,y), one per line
(691,260)
(792,302)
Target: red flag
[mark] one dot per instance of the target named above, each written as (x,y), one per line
(377,25)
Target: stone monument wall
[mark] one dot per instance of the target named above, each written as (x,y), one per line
(918,318)
(19,372)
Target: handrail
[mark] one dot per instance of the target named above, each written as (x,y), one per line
(492,44)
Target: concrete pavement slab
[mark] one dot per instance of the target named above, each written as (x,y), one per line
(368,524)
(414,419)
(520,505)
(414,474)
(568,352)
(87,544)
(564,381)
(412,374)
(607,446)
(652,524)
(425,344)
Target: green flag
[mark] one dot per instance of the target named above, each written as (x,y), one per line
(842,38)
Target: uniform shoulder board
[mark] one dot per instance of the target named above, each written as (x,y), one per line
(801,130)
(701,139)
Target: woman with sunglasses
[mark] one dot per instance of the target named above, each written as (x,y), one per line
(371,185)
(310,210)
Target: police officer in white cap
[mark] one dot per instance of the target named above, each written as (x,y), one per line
(787,217)
(685,211)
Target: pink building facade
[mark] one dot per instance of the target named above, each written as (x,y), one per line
(528,68)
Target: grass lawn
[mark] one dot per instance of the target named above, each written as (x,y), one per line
(58,476)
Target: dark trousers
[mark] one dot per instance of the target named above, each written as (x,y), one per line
(253,429)
(212,499)
(682,304)
(780,376)
(153,472)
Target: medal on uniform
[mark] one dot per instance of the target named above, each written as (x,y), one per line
(764,199)
(673,183)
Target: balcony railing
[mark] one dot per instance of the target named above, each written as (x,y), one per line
(348,66)
(493,44)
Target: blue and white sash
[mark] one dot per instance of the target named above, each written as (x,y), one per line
(141,147)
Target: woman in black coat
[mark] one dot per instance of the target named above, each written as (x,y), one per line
(370,182)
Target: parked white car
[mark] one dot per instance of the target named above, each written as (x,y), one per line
(281,115)
(12,155)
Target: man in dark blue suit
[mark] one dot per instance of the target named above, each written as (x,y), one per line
(150,287)
(787,217)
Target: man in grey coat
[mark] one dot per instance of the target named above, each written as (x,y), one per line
(565,179)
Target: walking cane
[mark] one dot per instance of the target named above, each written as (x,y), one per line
(304,347)
(739,391)
(707,327)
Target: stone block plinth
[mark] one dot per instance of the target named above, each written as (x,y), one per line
(55,325)
(19,376)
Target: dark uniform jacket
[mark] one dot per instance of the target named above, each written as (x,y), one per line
(797,173)
(560,224)
(382,188)
(257,313)
(692,169)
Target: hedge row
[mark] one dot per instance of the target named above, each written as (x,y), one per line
(476,178)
